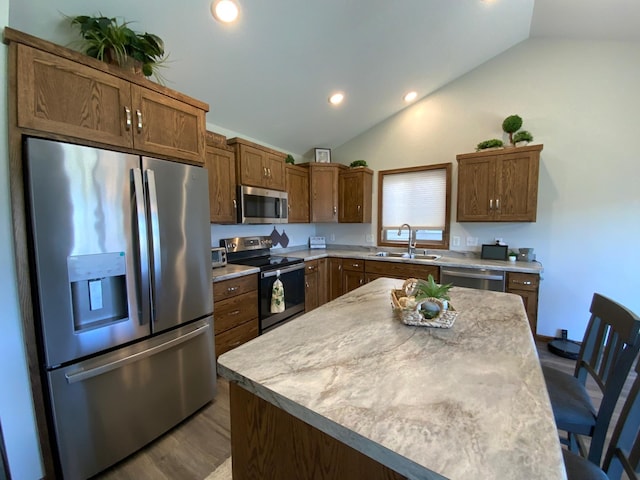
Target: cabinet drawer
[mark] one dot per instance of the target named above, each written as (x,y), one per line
(353,265)
(522,281)
(310,267)
(236,336)
(234,286)
(234,311)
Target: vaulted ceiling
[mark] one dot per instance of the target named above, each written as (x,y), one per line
(270,74)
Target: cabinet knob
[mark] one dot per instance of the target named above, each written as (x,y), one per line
(232,289)
(335,210)
(526,282)
(235,204)
(264,171)
(235,312)
(497,204)
(491,204)
(127,114)
(358,208)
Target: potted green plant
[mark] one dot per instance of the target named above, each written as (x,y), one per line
(521,138)
(428,288)
(290,159)
(358,163)
(113,42)
(511,124)
(492,143)
(512,256)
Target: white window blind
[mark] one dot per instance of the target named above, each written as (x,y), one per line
(417,198)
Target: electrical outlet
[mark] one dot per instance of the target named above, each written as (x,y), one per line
(456,241)
(333,237)
(472,241)
(369,238)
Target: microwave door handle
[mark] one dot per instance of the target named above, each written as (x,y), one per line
(143,246)
(155,235)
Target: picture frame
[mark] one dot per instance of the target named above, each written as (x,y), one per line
(323,155)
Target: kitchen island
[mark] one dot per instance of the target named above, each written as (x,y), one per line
(348,391)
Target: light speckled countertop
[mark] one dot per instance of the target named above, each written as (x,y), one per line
(469,402)
(444,261)
(231,271)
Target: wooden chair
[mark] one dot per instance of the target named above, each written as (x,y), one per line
(623,453)
(609,347)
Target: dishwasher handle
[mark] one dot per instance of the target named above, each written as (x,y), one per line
(482,276)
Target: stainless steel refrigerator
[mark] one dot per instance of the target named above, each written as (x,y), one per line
(120,252)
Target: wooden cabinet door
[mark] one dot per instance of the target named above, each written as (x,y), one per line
(516,187)
(475,189)
(526,285)
(335,278)
(166,126)
(311,291)
(275,171)
(297,183)
(251,170)
(94,110)
(355,189)
(352,280)
(323,281)
(323,194)
(500,186)
(221,165)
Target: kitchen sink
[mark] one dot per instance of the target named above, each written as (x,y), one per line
(417,256)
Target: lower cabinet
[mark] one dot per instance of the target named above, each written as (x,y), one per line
(352,274)
(526,285)
(376,269)
(335,278)
(235,313)
(316,282)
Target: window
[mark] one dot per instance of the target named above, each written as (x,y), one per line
(420,197)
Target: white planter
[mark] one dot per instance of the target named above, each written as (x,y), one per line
(512,258)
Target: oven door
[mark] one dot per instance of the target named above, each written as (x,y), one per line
(292,278)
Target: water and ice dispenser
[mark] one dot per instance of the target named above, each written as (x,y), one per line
(98,289)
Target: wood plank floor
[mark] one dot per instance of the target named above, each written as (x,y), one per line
(196,447)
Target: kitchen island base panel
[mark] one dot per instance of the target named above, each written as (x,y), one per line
(269,443)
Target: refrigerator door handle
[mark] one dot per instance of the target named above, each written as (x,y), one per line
(155,234)
(143,245)
(82,375)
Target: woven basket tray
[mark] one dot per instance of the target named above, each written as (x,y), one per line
(411,315)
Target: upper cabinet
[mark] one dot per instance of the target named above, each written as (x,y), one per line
(355,191)
(323,191)
(499,185)
(258,166)
(73,96)
(220,161)
(297,182)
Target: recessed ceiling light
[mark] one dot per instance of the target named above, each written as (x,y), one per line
(336,98)
(410,97)
(225,11)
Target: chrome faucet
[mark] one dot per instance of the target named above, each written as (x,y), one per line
(411,244)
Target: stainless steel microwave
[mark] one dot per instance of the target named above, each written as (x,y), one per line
(261,205)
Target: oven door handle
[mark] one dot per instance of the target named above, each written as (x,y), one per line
(282,271)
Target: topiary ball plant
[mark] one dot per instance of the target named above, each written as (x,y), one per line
(511,125)
(492,143)
(522,136)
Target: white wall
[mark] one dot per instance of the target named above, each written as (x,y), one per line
(16,407)
(580,99)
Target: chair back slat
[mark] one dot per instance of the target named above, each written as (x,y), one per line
(623,453)
(610,346)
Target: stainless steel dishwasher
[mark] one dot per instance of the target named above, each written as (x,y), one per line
(480,278)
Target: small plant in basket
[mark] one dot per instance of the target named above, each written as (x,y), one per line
(430,289)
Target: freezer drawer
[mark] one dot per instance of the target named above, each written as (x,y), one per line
(107,407)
